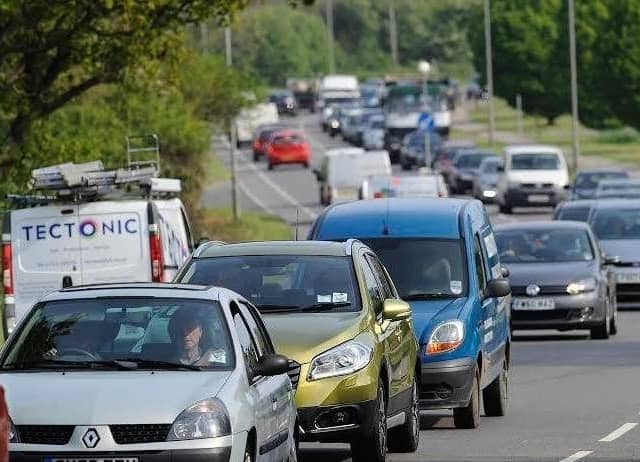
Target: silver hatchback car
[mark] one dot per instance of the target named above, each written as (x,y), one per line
(144,372)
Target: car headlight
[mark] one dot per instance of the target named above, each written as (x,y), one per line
(584,285)
(344,359)
(13,434)
(446,337)
(205,419)
(334,124)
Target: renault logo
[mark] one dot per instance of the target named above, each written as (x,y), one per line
(91,438)
(532,290)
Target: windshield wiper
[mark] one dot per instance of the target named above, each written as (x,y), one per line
(61,363)
(151,363)
(278,308)
(427,296)
(325,306)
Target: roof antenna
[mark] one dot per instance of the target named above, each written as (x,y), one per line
(297,222)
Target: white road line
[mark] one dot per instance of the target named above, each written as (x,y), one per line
(614,435)
(285,195)
(253,198)
(577,456)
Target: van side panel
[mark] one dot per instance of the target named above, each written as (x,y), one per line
(114,242)
(45,243)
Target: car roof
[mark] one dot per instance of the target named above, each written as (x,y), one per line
(543,224)
(617,203)
(309,248)
(435,218)
(136,289)
(288,132)
(343,151)
(601,170)
(578,203)
(532,149)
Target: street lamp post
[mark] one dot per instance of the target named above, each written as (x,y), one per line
(233,138)
(393,33)
(574,85)
(489,64)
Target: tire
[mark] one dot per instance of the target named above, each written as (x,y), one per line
(469,416)
(602,331)
(407,437)
(613,325)
(270,166)
(305,164)
(371,444)
(506,209)
(496,396)
(406,166)
(256,157)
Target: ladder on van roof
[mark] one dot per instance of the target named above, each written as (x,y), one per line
(90,180)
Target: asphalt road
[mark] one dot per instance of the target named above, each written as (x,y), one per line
(572,398)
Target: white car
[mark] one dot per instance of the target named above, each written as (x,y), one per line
(144,372)
(532,176)
(420,186)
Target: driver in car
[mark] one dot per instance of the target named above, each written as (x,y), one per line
(188,336)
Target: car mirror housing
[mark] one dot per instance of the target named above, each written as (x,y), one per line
(504,271)
(396,310)
(272,364)
(611,259)
(500,168)
(497,288)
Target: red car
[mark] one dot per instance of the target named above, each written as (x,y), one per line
(288,147)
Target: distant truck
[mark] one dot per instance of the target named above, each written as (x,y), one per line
(305,91)
(338,88)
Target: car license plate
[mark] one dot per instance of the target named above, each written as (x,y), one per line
(628,278)
(533,304)
(91,459)
(538,198)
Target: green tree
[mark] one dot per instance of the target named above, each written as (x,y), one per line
(530,57)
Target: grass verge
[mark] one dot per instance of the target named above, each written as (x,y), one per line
(219,225)
(622,144)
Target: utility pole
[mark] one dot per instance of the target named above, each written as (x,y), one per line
(574,85)
(331,38)
(520,114)
(233,139)
(489,63)
(393,33)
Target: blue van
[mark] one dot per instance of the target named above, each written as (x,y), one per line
(442,256)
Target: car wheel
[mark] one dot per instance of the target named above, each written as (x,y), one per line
(496,396)
(506,209)
(270,167)
(248,453)
(256,156)
(305,164)
(469,416)
(602,331)
(613,326)
(371,446)
(407,437)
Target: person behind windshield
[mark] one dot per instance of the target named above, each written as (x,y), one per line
(188,336)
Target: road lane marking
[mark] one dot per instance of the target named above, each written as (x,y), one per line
(614,435)
(577,456)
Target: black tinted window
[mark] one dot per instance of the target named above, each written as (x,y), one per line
(423,268)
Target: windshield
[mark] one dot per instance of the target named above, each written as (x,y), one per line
(619,188)
(544,245)
(83,332)
(470,160)
(422,268)
(590,180)
(616,223)
(535,162)
(277,282)
(490,167)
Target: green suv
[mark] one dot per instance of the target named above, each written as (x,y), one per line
(334,310)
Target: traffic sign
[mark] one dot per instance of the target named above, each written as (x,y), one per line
(426,122)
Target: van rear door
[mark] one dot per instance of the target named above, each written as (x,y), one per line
(45,244)
(114,242)
(175,232)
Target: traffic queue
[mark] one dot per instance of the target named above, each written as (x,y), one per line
(128,341)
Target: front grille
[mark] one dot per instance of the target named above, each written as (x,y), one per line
(550,315)
(45,434)
(294,373)
(537,185)
(140,433)
(544,290)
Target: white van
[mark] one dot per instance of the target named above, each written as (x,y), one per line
(251,118)
(56,242)
(343,170)
(532,176)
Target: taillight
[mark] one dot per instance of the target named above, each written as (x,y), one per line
(377,195)
(7,269)
(157,260)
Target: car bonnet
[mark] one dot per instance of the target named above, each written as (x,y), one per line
(106,397)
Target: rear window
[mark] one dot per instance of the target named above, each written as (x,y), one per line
(282,282)
(573,214)
(611,224)
(532,161)
(470,160)
(288,139)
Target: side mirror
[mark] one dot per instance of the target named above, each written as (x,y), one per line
(500,168)
(395,310)
(611,259)
(272,364)
(202,240)
(317,173)
(504,271)
(567,187)
(497,288)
